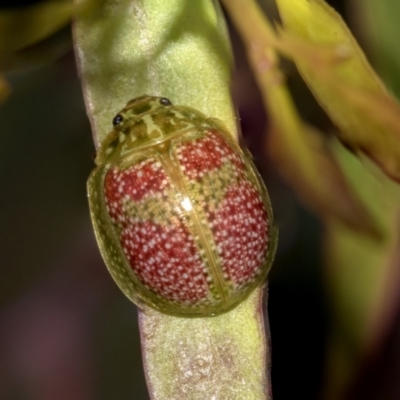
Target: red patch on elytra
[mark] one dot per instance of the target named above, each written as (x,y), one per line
(166,260)
(137,182)
(205,154)
(240,228)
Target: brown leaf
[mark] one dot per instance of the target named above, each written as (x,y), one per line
(5,89)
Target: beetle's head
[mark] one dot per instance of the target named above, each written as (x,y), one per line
(136,125)
(143,122)
(137,109)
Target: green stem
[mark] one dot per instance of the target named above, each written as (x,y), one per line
(178,49)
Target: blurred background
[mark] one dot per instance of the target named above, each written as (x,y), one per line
(67,332)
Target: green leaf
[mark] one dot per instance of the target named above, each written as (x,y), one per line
(379,23)
(361,276)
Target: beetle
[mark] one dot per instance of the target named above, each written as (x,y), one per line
(181,216)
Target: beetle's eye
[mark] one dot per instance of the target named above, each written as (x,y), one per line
(117,119)
(165,102)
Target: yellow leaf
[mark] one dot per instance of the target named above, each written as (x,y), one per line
(22,27)
(349,90)
(43,52)
(302,155)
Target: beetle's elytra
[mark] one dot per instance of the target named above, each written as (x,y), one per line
(182,219)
